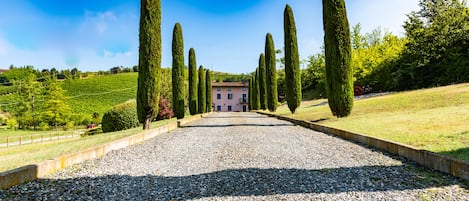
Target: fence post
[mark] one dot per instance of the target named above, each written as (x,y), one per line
(32,138)
(20,139)
(7,141)
(42,140)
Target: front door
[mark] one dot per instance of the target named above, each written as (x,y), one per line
(244,108)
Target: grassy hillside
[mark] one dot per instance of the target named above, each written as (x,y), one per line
(98,94)
(434,119)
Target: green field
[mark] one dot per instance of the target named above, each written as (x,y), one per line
(434,119)
(99,94)
(18,156)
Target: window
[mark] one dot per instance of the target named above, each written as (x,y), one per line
(229,108)
(244,88)
(230,96)
(218,96)
(229,88)
(218,89)
(218,108)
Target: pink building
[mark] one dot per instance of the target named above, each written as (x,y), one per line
(230,96)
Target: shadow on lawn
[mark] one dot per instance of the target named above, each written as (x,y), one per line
(462,154)
(233,182)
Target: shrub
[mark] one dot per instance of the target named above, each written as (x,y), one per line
(43,126)
(11,123)
(120,117)
(164,111)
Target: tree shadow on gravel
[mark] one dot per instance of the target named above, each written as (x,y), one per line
(234,182)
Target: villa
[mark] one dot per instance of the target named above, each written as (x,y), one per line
(230,96)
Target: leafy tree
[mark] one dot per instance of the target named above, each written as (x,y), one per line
(208,82)
(193,78)
(292,61)
(116,70)
(271,73)
(56,111)
(262,83)
(27,106)
(202,93)
(19,74)
(149,61)
(178,72)
(437,48)
(338,55)
(76,74)
(314,76)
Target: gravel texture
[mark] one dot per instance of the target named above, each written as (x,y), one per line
(243,156)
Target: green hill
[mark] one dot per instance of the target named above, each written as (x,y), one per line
(98,94)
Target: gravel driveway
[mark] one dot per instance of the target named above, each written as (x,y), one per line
(243,156)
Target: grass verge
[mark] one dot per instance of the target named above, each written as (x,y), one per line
(432,119)
(18,156)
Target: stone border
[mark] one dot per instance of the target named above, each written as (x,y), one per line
(27,173)
(455,167)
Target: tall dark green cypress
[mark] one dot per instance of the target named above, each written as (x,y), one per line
(338,55)
(256,97)
(149,61)
(178,72)
(262,83)
(292,61)
(193,83)
(271,74)
(208,89)
(202,93)
(250,93)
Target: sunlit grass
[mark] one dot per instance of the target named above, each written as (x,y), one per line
(18,156)
(434,119)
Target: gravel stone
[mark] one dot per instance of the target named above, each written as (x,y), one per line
(243,156)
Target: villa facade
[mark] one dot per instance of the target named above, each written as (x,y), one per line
(230,96)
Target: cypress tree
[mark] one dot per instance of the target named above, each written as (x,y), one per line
(149,61)
(202,93)
(256,96)
(193,83)
(292,61)
(262,83)
(250,93)
(178,72)
(208,89)
(271,73)
(338,55)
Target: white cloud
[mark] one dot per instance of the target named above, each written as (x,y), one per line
(97,21)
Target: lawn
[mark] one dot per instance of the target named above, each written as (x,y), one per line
(434,119)
(14,157)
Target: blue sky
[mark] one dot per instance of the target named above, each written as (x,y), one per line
(227,35)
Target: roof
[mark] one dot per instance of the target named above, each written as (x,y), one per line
(3,70)
(230,84)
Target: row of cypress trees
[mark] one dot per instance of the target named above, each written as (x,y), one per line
(200,83)
(264,82)
(200,87)
(338,70)
(149,62)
